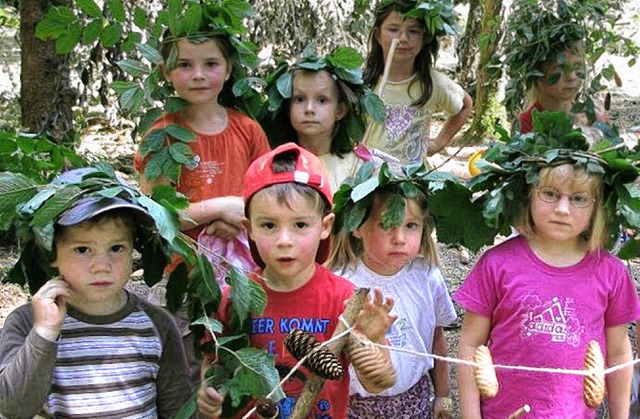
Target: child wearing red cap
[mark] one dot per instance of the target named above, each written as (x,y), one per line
(288,206)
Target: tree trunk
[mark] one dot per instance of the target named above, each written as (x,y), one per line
(487,107)
(468,47)
(46,97)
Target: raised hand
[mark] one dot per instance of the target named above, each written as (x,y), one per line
(49,308)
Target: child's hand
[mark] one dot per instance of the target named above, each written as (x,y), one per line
(209,401)
(374,319)
(442,408)
(49,308)
(222,229)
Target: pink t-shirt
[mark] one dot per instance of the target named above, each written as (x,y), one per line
(544,316)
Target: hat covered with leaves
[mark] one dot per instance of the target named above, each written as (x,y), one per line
(343,65)
(76,196)
(509,168)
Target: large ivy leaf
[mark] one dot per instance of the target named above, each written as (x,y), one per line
(458,220)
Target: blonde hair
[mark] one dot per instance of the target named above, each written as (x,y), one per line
(597,235)
(347,249)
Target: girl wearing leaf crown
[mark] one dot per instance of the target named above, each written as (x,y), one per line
(390,247)
(413,90)
(324,109)
(214,143)
(539,298)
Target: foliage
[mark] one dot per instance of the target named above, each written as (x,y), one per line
(353,201)
(37,157)
(510,168)
(344,65)
(439,17)
(33,207)
(538,31)
(8,17)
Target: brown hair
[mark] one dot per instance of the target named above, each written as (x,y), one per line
(286,162)
(374,65)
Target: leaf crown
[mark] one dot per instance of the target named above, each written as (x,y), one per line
(343,64)
(510,167)
(200,22)
(440,18)
(354,200)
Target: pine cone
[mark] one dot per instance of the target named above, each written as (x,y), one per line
(594,385)
(369,360)
(266,408)
(322,362)
(485,374)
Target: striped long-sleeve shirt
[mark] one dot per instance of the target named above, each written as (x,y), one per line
(130,364)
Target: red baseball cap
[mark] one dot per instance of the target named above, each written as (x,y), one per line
(309,171)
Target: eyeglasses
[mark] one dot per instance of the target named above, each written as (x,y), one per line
(552,196)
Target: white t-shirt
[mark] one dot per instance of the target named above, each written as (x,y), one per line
(406,129)
(422,302)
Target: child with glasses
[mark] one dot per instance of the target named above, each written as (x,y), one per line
(538,298)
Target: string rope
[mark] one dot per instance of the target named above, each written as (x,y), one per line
(454,360)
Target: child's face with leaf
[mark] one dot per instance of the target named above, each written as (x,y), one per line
(562,79)
(386,252)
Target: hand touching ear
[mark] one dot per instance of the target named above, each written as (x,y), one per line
(49,308)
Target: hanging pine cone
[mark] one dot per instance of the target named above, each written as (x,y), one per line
(322,362)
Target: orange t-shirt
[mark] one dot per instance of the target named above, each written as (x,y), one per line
(222,158)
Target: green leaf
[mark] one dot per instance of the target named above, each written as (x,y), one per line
(393,216)
(374,106)
(212,325)
(258,375)
(55,22)
(150,53)
(181,153)
(92,31)
(167,223)
(154,167)
(465,225)
(111,35)
(246,297)
(346,57)
(153,141)
(116,8)
(68,40)
(89,7)
(365,188)
(140,17)
(285,85)
(122,86)
(180,133)
(55,205)
(131,100)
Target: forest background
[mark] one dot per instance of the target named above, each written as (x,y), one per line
(66,94)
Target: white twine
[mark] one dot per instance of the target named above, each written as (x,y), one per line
(497,366)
